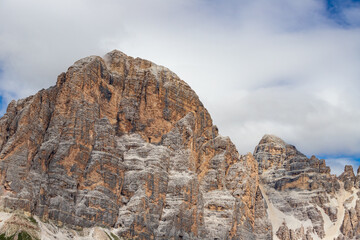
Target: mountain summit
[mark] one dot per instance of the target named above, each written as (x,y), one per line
(121,148)
(124,144)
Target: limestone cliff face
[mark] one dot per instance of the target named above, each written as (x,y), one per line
(304,200)
(125,144)
(121,147)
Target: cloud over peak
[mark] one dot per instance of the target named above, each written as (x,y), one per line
(284,67)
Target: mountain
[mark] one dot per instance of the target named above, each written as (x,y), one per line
(121,148)
(304,200)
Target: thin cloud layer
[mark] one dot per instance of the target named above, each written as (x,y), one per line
(338,164)
(289,68)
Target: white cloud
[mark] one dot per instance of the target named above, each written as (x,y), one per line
(338,165)
(259,67)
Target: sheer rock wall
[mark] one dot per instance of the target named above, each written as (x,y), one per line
(125,144)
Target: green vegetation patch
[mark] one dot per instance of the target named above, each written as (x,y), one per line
(114,236)
(24,236)
(31,219)
(21,236)
(108,235)
(3,237)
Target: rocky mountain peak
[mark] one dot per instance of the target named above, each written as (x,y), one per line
(272,139)
(273,152)
(349,169)
(121,143)
(348,177)
(122,147)
(270,152)
(302,191)
(348,172)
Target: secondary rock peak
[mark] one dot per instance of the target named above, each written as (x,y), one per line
(269,138)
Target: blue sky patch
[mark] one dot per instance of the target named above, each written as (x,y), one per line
(1,97)
(2,107)
(337,162)
(336,10)
(354,157)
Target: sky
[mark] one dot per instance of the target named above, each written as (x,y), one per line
(283,67)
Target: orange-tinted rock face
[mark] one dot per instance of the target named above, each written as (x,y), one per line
(121,142)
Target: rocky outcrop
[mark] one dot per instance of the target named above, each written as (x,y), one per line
(348,177)
(304,200)
(350,227)
(125,144)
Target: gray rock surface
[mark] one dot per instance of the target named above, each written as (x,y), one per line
(125,144)
(304,200)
